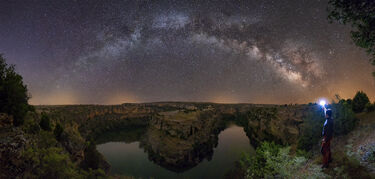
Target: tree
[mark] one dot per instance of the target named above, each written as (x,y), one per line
(13,93)
(359,101)
(361,15)
(58,131)
(45,123)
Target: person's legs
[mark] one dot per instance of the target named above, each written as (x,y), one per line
(326,153)
(329,151)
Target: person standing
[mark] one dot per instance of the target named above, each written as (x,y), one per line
(327,137)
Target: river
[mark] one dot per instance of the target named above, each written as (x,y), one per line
(130,159)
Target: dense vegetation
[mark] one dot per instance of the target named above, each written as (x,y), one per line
(58,131)
(45,122)
(274,161)
(360,101)
(311,129)
(13,93)
(48,156)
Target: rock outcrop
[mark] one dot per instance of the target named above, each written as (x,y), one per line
(179,141)
(281,124)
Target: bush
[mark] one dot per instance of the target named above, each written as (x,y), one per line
(45,123)
(311,129)
(31,126)
(359,101)
(56,164)
(49,162)
(273,161)
(13,93)
(58,131)
(343,118)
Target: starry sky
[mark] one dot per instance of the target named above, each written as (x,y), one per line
(111,52)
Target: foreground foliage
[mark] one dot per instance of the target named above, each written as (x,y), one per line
(46,156)
(274,161)
(344,118)
(45,122)
(311,129)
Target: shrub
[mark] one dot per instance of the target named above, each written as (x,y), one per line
(49,162)
(273,161)
(31,126)
(311,129)
(58,131)
(56,164)
(13,93)
(45,123)
(359,101)
(343,118)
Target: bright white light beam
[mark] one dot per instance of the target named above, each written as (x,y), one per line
(322,102)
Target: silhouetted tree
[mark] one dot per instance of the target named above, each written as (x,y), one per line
(361,15)
(359,101)
(370,107)
(13,93)
(45,123)
(58,131)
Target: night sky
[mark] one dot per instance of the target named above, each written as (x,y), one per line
(111,52)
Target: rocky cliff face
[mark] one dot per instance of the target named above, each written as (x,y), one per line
(179,141)
(281,123)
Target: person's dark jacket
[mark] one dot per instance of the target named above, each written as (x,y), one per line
(328,128)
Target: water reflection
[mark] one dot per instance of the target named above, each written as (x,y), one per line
(158,155)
